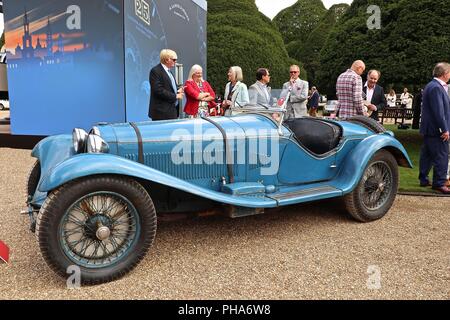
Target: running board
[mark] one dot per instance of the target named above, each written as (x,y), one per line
(305,194)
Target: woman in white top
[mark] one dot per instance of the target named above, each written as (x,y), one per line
(391,98)
(236,93)
(405,98)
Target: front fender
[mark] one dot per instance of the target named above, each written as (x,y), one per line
(356,162)
(53,150)
(84,165)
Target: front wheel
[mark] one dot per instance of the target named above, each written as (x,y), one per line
(104,225)
(375,193)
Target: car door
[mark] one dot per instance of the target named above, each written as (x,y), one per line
(300,166)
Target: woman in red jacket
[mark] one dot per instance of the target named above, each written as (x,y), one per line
(199,94)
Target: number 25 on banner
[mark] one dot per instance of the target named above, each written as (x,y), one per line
(4,252)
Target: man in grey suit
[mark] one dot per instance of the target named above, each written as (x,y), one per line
(260,93)
(296,106)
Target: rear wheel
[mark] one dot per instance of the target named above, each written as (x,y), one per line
(376,191)
(104,225)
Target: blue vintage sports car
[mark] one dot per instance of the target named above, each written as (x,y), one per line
(94,197)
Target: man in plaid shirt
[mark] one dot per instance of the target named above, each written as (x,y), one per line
(349,91)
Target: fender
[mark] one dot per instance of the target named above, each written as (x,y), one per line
(356,162)
(53,150)
(84,165)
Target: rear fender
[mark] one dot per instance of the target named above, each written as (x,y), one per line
(357,160)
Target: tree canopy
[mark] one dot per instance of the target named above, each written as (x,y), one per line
(238,34)
(309,52)
(413,37)
(299,20)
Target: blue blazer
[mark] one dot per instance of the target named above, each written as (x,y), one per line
(314,100)
(435,110)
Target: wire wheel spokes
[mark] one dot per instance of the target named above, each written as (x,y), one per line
(377,185)
(99,229)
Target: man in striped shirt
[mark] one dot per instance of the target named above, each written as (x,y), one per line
(349,91)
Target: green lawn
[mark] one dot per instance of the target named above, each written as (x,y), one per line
(412,141)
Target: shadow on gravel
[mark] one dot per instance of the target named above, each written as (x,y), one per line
(320,212)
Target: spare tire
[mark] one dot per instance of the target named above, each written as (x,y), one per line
(367,122)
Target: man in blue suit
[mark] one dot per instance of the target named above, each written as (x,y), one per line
(434,127)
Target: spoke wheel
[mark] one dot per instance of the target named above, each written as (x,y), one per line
(376,191)
(377,181)
(102,224)
(99,229)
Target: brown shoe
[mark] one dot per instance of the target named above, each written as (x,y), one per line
(442,189)
(447,183)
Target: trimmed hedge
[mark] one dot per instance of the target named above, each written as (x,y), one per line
(309,52)
(238,34)
(299,20)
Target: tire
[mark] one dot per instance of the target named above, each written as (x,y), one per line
(80,220)
(367,122)
(2,106)
(33,180)
(367,204)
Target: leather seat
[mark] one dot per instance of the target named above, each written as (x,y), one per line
(316,135)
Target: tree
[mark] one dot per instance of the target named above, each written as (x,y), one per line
(412,39)
(309,53)
(296,22)
(238,34)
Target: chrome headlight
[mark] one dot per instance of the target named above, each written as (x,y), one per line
(96,144)
(79,139)
(95,130)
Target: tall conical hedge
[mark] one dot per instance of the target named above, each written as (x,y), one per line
(238,34)
(299,20)
(309,52)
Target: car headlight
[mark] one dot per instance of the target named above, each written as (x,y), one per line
(79,139)
(95,130)
(96,144)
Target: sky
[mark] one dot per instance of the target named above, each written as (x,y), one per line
(271,7)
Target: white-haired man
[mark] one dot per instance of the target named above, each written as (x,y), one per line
(164,94)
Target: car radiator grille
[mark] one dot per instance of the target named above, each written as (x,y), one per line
(189,170)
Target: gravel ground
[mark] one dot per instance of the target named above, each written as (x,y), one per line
(311,251)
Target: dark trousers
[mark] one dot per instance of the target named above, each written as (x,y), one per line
(434,154)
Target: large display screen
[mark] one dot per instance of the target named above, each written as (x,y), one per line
(65,64)
(74,63)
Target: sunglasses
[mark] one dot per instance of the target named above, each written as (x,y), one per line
(293,71)
(174,60)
